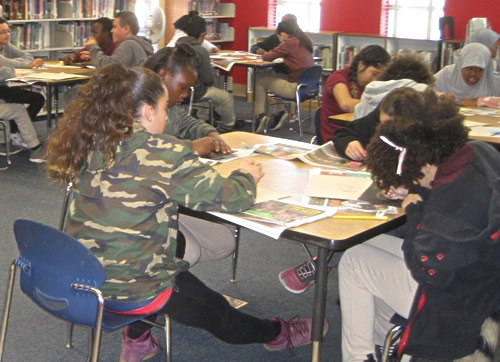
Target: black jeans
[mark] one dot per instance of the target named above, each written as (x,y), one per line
(193,304)
(34,100)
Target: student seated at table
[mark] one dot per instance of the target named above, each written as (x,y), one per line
(443,275)
(18,115)
(486,37)
(10,56)
(180,25)
(296,50)
(132,50)
(470,77)
(273,40)
(204,88)
(117,157)
(405,70)
(101,31)
(344,87)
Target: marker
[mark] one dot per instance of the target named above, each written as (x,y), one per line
(360,217)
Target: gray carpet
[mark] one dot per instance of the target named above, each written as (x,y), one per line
(33,335)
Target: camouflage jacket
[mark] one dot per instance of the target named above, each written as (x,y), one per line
(126,213)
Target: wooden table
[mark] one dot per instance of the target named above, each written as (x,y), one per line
(328,235)
(491,122)
(342,119)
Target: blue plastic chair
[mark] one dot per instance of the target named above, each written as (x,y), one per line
(63,277)
(316,139)
(308,86)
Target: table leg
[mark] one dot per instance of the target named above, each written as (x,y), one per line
(254,77)
(319,303)
(49,106)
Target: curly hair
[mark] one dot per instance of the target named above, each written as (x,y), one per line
(408,66)
(99,117)
(431,132)
(371,56)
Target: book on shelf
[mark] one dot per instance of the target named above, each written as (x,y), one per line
(272,217)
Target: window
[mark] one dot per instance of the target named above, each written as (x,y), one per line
(308,13)
(415,19)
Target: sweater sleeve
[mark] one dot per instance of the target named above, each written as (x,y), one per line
(184,126)
(281,51)
(14,57)
(122,54)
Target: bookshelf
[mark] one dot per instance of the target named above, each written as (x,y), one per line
(51,28)
(213,11)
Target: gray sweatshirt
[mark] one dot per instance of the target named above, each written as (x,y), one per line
(11,56)
(131,52)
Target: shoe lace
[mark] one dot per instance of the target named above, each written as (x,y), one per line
(306,270)
(294,326)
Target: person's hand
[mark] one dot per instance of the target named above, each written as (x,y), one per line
(214,50)
(396,193)
(254,168)
(411,199)
(355,151)
(69,59)
(35,63)
(90,41)
(260,51)
(446,95)
(85,55)
(203,146)
(467,102)
(219,144)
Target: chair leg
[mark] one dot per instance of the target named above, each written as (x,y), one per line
(6,306)
(6,137)
(235,253)
(69,335)
(167,328)
(298,113)
(392,336)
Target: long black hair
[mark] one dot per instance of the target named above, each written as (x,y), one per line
(291,27)
(371,56)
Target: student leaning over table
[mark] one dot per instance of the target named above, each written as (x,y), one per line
(470,77)
(181,25)
(444,275)
(405,70)
(344,87)
(204,240)
(132,50)
(118,158)
(296,50)
(196,29)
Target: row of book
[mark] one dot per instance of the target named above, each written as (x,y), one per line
(52,9)
(217,31)
(27,36)
(346,55)
(79,32)
(206,7)
(325,53)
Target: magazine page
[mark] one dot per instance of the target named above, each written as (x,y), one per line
(334,184)
(282,150)
(326,156)
(221,157)
(274,216)
(352,205)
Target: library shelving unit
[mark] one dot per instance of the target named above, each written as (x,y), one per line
(213,11)
(449,52)
(50,29)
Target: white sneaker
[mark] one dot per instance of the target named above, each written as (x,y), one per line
(17,140)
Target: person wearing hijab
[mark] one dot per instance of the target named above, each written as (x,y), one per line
(470,77)
(487,37)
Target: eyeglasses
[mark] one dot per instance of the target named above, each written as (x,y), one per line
(4,32)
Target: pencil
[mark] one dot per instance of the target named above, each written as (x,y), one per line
(360,217)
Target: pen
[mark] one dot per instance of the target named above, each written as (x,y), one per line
(360,217)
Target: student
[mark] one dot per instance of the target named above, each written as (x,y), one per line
(204,88)
(18,114)
(132,50)
(344,87)
(101,31)
(405,70)
(180,25)
(486,37)
(444,276)
(10,56)
(296,50)
(273,40)
(176,67)
(470,77)
(117,157)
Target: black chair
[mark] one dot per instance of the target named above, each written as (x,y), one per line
(308,87)
(316,139)
(63,277)
(203,103)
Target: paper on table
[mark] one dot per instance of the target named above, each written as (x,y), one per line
(264,194)
(469,123)
(335,185)
(52,76)
(485,131)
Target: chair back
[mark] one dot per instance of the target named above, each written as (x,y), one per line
(308,82)
(50,262)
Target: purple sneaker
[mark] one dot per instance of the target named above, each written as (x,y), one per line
(298,279)
(139,349)
(295,332)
